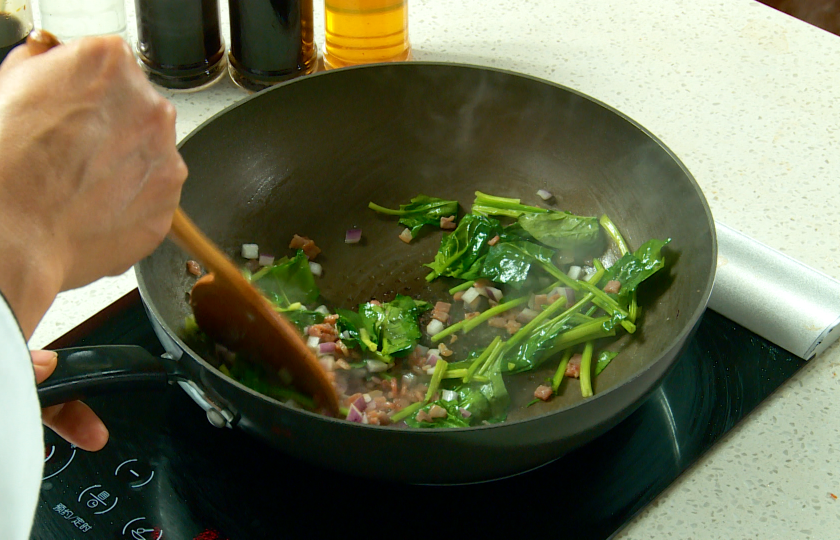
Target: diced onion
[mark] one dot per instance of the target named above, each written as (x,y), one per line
(327,362)
(250,251)
(353,415)
(470,295)
(493,293)
(464,412)
(323,310)
(360,403)
(544,195)
(266,260)
(421,350)
(353,236)
(431,361)
(434,327)
(313,342)
(376,366)
(574,272)
(345,334)
(327,347)
(448,395)
(316,268)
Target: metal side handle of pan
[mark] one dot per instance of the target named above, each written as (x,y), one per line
(87,371)
(775,296)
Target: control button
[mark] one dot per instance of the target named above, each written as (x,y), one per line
(97,498)
(134,473)
(58,454)
(139,529)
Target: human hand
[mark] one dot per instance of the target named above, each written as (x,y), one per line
(75,422)
(90,175)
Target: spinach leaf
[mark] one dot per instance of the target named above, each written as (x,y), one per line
(510,262)
(288,281)
(461,254)
(491,205)
(453,416)
(576,235)
(422,210)
(536,347)
(390,329)
(633,268)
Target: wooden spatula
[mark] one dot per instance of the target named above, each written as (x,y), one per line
(228,307)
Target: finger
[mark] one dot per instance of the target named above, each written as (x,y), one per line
(43,362)
(77,424)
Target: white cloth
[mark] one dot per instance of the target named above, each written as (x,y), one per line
(21,434)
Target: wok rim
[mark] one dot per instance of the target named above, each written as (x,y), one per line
(673,349)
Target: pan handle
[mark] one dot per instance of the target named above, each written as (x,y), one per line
(90,371)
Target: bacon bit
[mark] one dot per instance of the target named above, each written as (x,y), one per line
(444,350)
(442,316)
(442,306)
(512,327)
(612,286)
(554,297)
(447,223)
(482,283)
(493,241)
(453,339)
(193,268)
(436,411)
(405,236)
(543,392)
(331,319)
(324,332)
(458,295)
(471,315)
(375,303)
(497,322)
(573,367)
(341,364)
(423,416)
(306,244)
(540,300)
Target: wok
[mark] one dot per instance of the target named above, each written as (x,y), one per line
(307,156)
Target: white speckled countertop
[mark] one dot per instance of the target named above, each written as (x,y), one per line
(749,99)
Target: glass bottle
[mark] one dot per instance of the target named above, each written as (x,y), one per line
(15,24)
(270,41)
(71,19)
(365,31)
(179,42)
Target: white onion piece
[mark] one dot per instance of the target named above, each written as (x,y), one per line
(570,296)
(421,350)
(345,334)
(434,327)
(574,272)
(405,236)
(250,251)
(448,395)
(470,295)
(367,398)
(327,362)
(323,310)
(266,260)
(376,366)
(316,269)
(313,342)
(544,195)
(353,236)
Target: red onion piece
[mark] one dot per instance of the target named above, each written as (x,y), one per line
(353,415)
(353,236)
(360,404)
(432,360)
(464,412)
(326,347)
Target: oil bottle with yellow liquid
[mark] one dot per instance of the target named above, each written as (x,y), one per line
(365,31)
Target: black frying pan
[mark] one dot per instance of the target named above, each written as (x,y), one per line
(306,157)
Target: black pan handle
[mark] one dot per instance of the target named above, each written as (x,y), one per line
(89,371)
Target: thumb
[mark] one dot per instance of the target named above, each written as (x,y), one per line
(44,363)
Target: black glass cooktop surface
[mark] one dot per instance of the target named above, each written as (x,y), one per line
(167,473)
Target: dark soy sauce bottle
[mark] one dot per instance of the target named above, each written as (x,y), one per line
(270,41)
(13,32)
(179,42)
